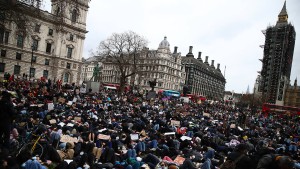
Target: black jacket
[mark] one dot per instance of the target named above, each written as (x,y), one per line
(7,112)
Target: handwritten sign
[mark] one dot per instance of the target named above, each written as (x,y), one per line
(179,160)
(67,138)
(52,121)
(175,123)
(103,137)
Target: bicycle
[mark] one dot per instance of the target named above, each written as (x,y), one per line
(33,146)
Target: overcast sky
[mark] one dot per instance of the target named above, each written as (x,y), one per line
(228,31)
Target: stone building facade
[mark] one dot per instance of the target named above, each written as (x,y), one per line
(52,49)
(203,78)
(160,64)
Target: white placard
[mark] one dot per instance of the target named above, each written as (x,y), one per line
(240,128)
(74,100)
(169,133)
(175,123)
(69,103)
(50,106)
(62,124)
(185,138)
(70,124)
(103,137)
(134,136)
(52,121)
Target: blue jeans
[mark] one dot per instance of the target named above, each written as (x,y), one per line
(131,153)
(156,127)
(177,144)
(140,146)
(293,148)
(153,144)
(190,133)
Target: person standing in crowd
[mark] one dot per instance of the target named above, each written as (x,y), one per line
(7,113)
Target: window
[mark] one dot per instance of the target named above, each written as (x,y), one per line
(3,53)
(37,28)
(2,67)
(71,37)
(57,11)
(74,66)
(68,65)
(35,44)
(19,56)
(4,35)
(32,72)
(74,15)
(33,59)
(17,69)
(45,74)
(20,40)
(50,32)
(48,48)
(69,54)
(66,77)
(47,61)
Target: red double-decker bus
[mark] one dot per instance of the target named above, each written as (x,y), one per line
(273,108)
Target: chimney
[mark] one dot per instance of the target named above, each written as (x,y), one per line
(191,49)
(190,54)
(199,56)
(218,66)
(212,63)
(175,49)
(206,60)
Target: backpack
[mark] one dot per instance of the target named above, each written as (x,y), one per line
(229,164)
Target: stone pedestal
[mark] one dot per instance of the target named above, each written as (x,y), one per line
(151,95)
(95,86)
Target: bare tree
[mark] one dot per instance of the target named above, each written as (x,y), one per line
(123,50)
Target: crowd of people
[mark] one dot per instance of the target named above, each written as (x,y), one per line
(49,125)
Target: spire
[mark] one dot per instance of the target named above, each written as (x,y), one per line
(283,15)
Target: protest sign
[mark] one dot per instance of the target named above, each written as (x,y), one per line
(50,106)
(67,138)
(169,133)
(185,138)
(82,90)
(52,121)
(103,137)
(232,126)
(206,114)
(179,160)
(134,136)
(175,123)
(77,119)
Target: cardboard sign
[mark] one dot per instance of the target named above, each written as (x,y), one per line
(206,114)
(67,138)
(179,160)
(134,136)
(52,121)
(50,106)
(175,123)
(77,119)
(232,126)
(103,137)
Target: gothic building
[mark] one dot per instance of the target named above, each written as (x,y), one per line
(203,78)
(277,59)
(52,49)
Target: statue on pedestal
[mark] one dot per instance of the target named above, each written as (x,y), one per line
(96,73)
(152,84)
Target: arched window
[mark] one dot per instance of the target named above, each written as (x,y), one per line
(66,77)
(74,15)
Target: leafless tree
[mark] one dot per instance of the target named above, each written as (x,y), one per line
(123,50)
